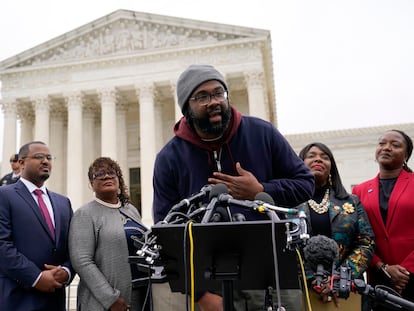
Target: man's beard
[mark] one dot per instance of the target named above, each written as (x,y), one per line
(204,125)
(44,177)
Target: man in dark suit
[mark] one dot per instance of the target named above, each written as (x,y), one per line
(34,224)
(14,176)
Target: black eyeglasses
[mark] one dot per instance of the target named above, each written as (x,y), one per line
(40,157)
(205,99)
(14,161)
(100,175)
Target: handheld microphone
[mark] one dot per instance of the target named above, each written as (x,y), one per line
(320,254)
(214,194)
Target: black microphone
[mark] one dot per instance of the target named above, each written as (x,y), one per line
(320,254)
(265,204)
(194,198)
(228,199)
(186,203)
(264,199)
(221,214)
(257,206)
(238,217)
(215,191)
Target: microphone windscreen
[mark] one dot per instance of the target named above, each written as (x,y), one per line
(264,197)
(217,190)
(320,250)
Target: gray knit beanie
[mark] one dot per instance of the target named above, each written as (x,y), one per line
(193,77)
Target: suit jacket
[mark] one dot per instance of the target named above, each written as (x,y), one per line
(99,253)
(351,230)
(394,240)
(26,245)
(8,179)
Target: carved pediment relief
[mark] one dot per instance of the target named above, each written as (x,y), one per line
(125,35)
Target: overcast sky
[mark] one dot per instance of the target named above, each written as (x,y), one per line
(338,64)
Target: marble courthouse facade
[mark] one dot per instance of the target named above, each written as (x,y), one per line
(108,89)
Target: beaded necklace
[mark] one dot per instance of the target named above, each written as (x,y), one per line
(322,207)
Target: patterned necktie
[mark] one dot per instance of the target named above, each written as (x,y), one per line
(45,212)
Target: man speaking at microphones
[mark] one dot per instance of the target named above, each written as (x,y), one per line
(215,144)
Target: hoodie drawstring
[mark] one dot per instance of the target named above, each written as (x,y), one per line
(217,158)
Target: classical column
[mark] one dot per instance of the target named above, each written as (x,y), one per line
(108,123)
(26,116)
(57,179)
(41,106)
(121,137)
(256,94)
(9,133)
(177,109)
(147,148)
(89,145)
(74,168)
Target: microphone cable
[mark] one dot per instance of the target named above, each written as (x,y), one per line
(192,272)
(148,294)
(189,229)
(305,283)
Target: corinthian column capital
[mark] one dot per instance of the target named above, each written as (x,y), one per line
(8,106)
(41,103)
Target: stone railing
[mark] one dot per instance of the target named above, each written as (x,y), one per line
(71,294)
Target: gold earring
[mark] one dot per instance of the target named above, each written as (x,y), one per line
(330,180)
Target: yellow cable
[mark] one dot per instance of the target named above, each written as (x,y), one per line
(305,283)
(190,235)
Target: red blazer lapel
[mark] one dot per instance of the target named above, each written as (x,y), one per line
(373,201)
(396,194)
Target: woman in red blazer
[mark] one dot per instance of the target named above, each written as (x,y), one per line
(389,202)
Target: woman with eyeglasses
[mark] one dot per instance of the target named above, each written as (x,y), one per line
(101,238)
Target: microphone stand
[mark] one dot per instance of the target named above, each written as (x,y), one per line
(382,295)
(209,210)
(274,218)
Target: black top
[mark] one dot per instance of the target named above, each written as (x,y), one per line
(321,223)
(386,187)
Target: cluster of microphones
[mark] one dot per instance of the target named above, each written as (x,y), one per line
(320,252)
(192,208)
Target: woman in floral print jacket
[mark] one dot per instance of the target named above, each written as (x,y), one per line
(335,213)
